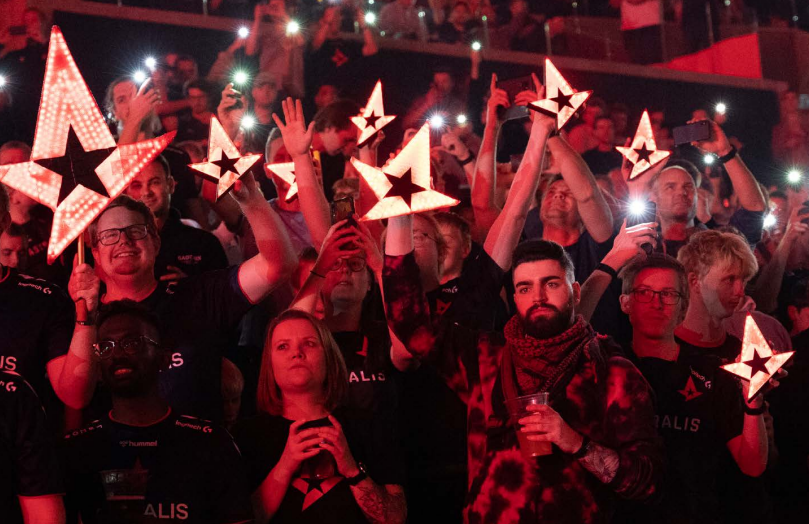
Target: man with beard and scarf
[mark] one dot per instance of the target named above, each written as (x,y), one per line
(600,416)
(143,462)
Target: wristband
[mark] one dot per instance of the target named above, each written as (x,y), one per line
(359,477)
(585,445)
(755,411)
(85,322)
(608,270)
(730,156)
(468,159)
(316,274)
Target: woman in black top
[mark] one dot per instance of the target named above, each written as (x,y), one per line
(307,456)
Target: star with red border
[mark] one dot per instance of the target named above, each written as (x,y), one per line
(561,100)
(372,118)
(643,152)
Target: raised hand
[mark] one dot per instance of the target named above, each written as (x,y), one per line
(628,242)
(143,102)
(297,136)
(497,98)
(337,245)
(452,144)
(231,110)
(718,143)
(84,285)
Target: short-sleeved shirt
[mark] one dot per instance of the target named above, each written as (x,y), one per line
(193,250)
(198,314)
(27,457)
(180,469)
(295,225)
(36,325)
(328,500)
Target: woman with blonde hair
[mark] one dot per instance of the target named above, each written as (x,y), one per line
(307,455)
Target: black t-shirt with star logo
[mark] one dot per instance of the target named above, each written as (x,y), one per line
(699,408)
(194,251)
(36,326)
(309,500)
(27,457)
(180,469)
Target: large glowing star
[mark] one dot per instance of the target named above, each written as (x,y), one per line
(286,172)
(225,165)
(76,168)
(643,152)
(758,362)
(403,184)
(373,117)
(562,101)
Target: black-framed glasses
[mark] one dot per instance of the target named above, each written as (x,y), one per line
(355,264)
(110,237)
(645,295)
(130,346)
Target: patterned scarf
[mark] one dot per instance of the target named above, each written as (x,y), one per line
(540,364)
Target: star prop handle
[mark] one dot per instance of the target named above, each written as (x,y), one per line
(562,101)
(403,184)
(373,117)
(643,152)
(225,165)
(76,169)
(757,363)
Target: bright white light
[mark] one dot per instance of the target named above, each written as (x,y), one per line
(794,176)
(637,207)
(243,32)
(769,221)
(248,122)
(139,77)
(240,77)
(2,81)
(708,159)
(461,119)
(721,108)
(370,2)
(293,27)
(370,18)
(436,121)
(476,46)
(422,14)
(150,62)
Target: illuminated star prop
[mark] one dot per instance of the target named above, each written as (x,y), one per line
(758,363)
(643,152)
(403,184)
(562,101)
(286,172)
(225,165)
(76,168)
(373,117)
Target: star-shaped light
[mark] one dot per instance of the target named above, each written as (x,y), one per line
(373,117)
(286,172)
(403,184)
(758,362)
(76,168)
(643,152)
(225,165)
(562,101)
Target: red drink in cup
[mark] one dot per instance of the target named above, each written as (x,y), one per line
(518,408)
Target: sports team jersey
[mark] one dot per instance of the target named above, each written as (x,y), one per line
(179,469)
(36,325)
(27,458)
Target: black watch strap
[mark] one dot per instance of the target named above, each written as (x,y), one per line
(359,477)
(730,156)
(755,411)
(608,270)
(585,445)
(468,159)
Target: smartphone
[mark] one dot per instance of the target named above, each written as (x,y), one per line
(649,214)
(513,87)
(317,423)
(696,132)
(341,209)
(239,100)
(804,212)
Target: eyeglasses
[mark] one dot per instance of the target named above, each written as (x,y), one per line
(420,238)
(645,295)
(129,346)
(355,264)
(110,237)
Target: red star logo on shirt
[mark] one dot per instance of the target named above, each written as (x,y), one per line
(441,307)
(76,168)
(690,391)
(339,58)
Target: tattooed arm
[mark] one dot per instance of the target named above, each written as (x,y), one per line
(601,461)
(381,504)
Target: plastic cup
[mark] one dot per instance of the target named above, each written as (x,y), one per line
(518,408)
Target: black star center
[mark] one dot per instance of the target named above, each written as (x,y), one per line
(77,167)
(314,484)
(562,101)
(757,363)
(403,187)
(644,154)
(371,120)
(226,164)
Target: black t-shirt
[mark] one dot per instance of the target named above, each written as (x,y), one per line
(36,325)
(189,128)
(198,315)
(27,457)
(186,187)
(602,162)
(262,440)
(181,469)
(193,250)
(473,299)
(339,63)
(699,408)
(333,168)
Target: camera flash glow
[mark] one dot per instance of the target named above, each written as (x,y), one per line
(248,122)
(243,32)
(461,119)
(769,221)
(637,207)
(476,46)
(293,27)
(422,14)
(708,159)
(436,121)
(370,18)
(2,81)
(150,63)
(240,77)
(139,77)
(794,176)
(721,108)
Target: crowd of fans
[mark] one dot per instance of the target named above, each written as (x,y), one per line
(363,367)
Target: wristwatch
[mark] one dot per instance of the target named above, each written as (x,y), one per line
(359,477)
